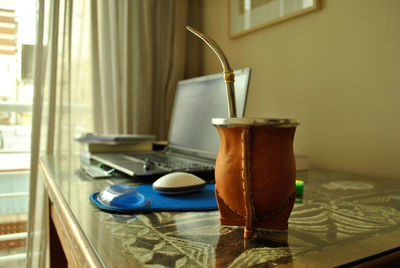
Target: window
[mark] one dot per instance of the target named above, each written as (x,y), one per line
(17,36)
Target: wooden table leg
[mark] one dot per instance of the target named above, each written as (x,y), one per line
(57,256)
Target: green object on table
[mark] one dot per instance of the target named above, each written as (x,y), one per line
(299,187)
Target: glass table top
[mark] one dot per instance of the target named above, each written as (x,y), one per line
(341,218)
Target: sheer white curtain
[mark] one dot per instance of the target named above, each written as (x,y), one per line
(140,54)
(103,66)
(62,105)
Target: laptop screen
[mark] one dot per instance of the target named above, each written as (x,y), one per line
(197,101)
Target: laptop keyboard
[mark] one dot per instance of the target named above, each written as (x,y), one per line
(171,163)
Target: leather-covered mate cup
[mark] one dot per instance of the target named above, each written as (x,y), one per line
(255,172)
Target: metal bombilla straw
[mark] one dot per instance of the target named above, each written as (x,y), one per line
(228,73)
(230,89)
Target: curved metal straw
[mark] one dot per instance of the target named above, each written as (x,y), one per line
(228,73)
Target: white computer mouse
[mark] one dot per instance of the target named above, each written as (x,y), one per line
(178,183)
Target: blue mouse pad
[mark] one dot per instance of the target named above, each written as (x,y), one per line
(203,199)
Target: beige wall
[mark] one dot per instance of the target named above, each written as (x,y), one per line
(336,70)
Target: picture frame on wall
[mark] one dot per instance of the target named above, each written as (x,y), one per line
(246,16)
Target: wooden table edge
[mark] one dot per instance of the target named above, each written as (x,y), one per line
(76,235)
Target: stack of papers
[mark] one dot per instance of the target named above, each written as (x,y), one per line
(95,143)
(115,138)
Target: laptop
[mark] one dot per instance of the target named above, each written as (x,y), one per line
(193,141)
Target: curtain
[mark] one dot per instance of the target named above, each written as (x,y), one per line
(105,67)
(140,55)
(61,106)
